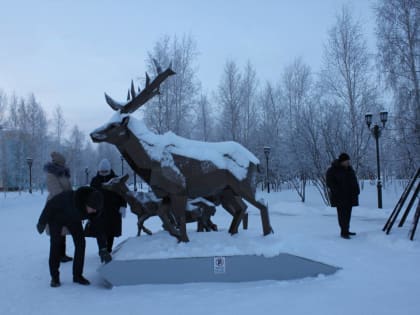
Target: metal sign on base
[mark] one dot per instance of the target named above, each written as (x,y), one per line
(239,268)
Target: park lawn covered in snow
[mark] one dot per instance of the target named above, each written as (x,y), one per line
(379,275)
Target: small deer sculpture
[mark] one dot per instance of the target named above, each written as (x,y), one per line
(146,205)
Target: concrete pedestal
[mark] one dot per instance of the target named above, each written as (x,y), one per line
(211,269)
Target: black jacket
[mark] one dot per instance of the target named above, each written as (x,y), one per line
(343,186)
(111,217)
(67,207)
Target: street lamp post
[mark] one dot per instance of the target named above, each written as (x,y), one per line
(87,175)
(122,165)
(267,154)
(30,161)
(376,132)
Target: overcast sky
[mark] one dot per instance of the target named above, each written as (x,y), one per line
(71,52)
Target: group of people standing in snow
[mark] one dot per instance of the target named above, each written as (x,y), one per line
(65,210)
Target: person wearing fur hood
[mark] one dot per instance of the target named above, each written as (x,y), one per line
(58,180)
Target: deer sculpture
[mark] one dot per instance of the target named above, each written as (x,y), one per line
(179,169)
(146,205)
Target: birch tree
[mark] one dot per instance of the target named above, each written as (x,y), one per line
(249,121)
(398,41)
(297,87)
(272,132)
(229,98)
(204,119)
(173,108)
(58,127)
(347,88)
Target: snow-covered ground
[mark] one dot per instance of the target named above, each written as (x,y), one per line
(380,273)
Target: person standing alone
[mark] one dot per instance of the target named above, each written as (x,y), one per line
(58,180)
(343,191)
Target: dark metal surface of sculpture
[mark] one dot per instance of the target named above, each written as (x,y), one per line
(178,169)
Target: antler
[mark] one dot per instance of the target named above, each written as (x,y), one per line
(136,100)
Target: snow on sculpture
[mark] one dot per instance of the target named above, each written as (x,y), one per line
(179,169)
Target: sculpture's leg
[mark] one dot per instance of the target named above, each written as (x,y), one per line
(212,225)
(200,226)
(233,204)
(209,211)
(168,225)
(141,220)
(245,221)
(178,204)
(212,211)
(204,218)
(265,218)
(138,226)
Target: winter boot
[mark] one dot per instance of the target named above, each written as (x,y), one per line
(105,256)
(55,282)
(65,258)
(81,280)
(345,236)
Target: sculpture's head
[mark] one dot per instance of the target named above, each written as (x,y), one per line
(116,184)
(113,132)
(117,129)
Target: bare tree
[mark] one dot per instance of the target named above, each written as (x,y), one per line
(297,87)
(3,104)
(74,153)
(58,127)
(297,83)
(36,123)
(229,98)
(346,87)
(272,123)
(398,34)
(204,119)
(172,110)
(3,154)
(27,123)
(249,106)
(272,112)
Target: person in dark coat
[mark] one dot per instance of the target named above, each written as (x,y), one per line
(114,207)
(68,209)
(343,191)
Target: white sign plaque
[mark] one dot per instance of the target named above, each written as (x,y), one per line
(219,264)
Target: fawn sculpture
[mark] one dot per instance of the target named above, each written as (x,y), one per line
(146,205)
(179,169)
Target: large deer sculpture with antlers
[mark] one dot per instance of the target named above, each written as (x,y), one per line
(178,169)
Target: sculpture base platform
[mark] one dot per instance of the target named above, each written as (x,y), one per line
(238,268)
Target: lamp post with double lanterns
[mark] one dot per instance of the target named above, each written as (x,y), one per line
(376,132)
(267,150)
(30,161)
